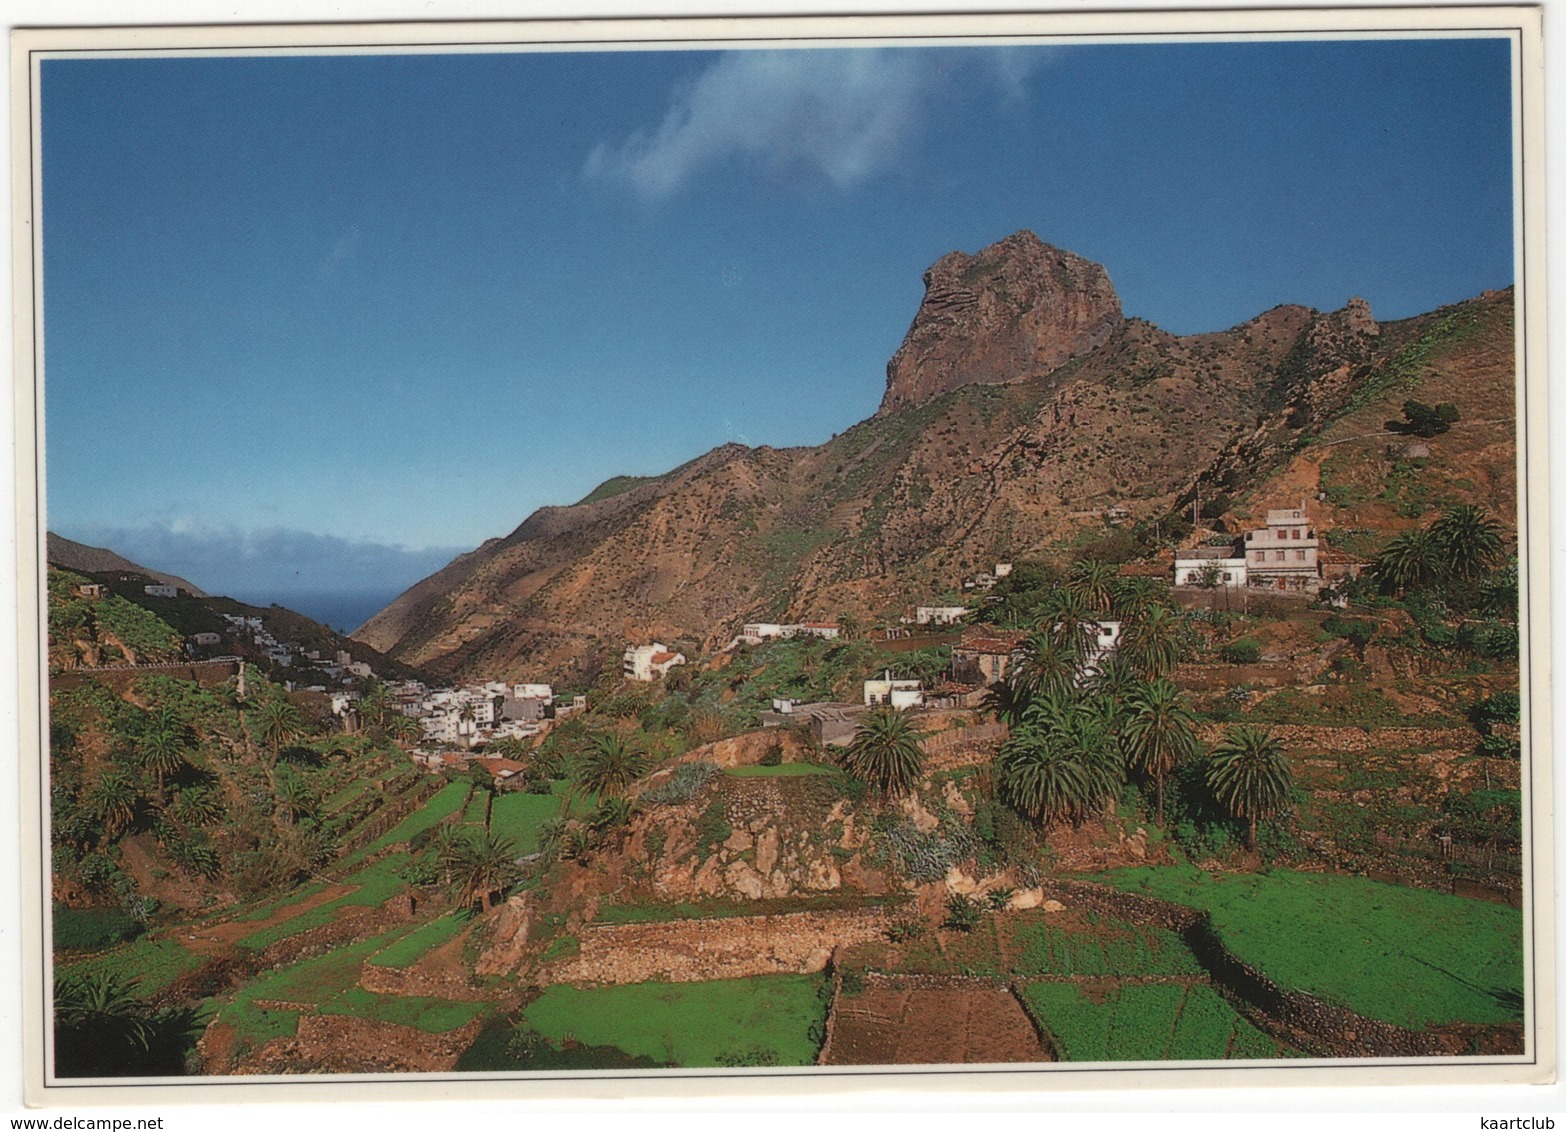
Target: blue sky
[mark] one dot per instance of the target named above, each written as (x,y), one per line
(314,324)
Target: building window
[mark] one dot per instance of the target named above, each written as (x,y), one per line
(1278,555)
(1299,555)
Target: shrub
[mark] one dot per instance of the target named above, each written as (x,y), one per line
(682,785)
(89,929)
(902,931)
(926,856)
(1243,651)
(774,755)
(963,913)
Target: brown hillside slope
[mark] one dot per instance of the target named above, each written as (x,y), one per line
(84,559)
(898,508)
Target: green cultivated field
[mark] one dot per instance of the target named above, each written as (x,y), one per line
(1147,1022)
(451,798)
(519,816)
(1400,955)
(1111,948)
(329,983)
(376,883)
(766,1020)
(152,964)
(422,940)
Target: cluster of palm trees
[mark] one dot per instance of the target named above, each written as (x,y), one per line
(1080,726)
(1461,547)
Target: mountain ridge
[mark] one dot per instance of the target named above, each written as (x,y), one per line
(1100,413)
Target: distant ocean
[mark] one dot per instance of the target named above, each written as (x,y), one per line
(344,612)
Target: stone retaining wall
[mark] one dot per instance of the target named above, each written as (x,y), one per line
(683,951)
(335,1043)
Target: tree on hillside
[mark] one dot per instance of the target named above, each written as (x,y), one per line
(610,766)
(1133,597)
(1038,771)
(1043,666)
(113,801)
(278,722)
(103,1029)
(1071,622)
(1250,777)
(1428,420)
(163,749)
(885,753)
(1408,562)
(1152,644)
(1467,543)
(479,866)
(1093,582)
(1159,733)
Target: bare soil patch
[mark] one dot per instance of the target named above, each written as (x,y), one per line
(903,1022)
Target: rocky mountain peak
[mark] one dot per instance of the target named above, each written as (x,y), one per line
(1017,308)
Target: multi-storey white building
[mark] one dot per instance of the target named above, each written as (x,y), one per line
(1284,554)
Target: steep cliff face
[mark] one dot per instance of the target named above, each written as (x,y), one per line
(1021,421)
(1019,307)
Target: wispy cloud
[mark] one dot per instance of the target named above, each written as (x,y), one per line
(843,113)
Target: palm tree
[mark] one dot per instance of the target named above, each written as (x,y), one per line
(1006,702)
(1407,562)
(467,719)
(480,865)
(403,729)
(197,805)
(1037,773)
(849,627)
(279,722)
(1043,667)
(1094,583)
(161,751)
(1133,597)
(1160,733)
(112,801)
(1250,777)
(611,765)
(374,706)
(1071,622)
(885,753)
(1467,542)
(1152,643)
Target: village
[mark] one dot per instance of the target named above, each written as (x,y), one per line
(474,721)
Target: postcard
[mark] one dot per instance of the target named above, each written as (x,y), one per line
(728,555)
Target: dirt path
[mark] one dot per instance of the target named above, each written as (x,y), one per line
(220,937)
(893,1022)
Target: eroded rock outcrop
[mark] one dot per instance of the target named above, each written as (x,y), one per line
(1017,308)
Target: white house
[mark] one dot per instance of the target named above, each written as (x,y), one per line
(649,662)
(160,591)
(762,630)
(940,614)
(900,694)
(1105,642)
(826,630)
(208,638)
(1218,565)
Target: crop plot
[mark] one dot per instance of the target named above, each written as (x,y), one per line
(1146,1022)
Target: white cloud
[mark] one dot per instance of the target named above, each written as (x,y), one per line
(844,113)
